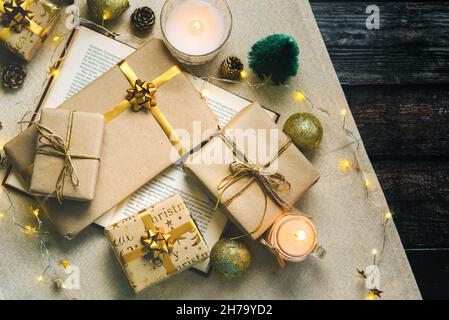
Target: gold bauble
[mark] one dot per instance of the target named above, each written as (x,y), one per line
(231,258)
(305,130)
(105,10)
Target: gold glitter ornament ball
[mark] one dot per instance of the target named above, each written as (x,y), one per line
(231,258)
(107,9)
(305,130)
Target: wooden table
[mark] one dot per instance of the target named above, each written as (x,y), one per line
(396,82)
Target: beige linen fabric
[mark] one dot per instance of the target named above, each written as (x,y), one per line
(348,226)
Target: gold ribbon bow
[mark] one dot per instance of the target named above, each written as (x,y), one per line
(270,182)
(158,243)
(54,145)
(15,16)
(142,96)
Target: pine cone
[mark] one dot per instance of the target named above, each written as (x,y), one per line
(143,19)
(231,68)
(13,76)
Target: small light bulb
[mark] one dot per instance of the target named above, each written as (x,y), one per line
(204,92)
(345,165)
(244,74)
(64,263)
(54,72)
(56,38)
(36,212)
(301,235)
(196,27)
(367,183)
(40,278)
(388,216)
(371,296)
(344,112)
(106,15)
(299,96)
(374,252)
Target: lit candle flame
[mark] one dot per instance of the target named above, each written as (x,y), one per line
(196,27)
(301,235)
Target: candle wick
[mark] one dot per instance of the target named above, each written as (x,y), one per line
(300,235)
(196,27)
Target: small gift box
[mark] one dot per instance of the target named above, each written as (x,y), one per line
(253,171)
(157,243)
(24,25)
(67,156)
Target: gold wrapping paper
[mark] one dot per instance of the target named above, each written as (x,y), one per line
(86,138)
(248,208)
(26,43)
(135,147)
(167,220)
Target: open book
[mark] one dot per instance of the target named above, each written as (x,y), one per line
(90,54)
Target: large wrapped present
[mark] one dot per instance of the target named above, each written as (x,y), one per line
(157,243)
(68,154)
(253,171)
(142,137)
(25,24)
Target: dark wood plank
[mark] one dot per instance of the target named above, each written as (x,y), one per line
(431,271)
(414,180)
(418,193)
(402,120)
(412,45)
(422,225)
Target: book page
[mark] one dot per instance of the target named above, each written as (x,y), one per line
(91,54)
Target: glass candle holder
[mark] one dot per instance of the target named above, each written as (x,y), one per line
(294,237)
(195,30)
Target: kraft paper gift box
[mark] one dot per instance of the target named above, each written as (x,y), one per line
(157,243)
(135,146)
(68,154)
(24,25)
(247,207)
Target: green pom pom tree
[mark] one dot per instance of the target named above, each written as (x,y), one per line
(275,57)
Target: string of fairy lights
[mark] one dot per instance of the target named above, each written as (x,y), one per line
(349,164)
(50,267)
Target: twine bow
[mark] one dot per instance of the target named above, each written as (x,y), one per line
(270,182)
(142,95)
(54,145)
(16,16)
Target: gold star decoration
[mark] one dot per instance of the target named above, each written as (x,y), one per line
(141,95)
(361,274)
(376,293)
(169,223)
(115,226)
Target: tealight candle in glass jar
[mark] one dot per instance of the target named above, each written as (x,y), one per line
(195,30)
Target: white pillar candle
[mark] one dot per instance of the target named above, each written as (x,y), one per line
(195,27)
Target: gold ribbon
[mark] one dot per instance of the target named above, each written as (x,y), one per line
(270,183)
(142,96)
(54,145)
(15,16)
(158,243)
